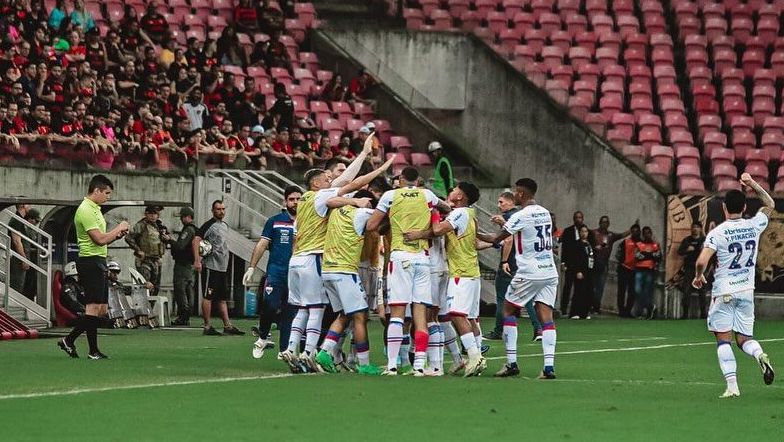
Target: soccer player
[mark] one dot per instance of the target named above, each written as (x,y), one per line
(464,285)
(536,278)
(91,265)
(734,242)
(278,238)
(306,289)
(408,280)
(437,314)
(342,253)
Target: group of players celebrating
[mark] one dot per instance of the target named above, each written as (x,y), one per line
(431,279)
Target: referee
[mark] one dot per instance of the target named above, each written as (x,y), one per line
(91,265)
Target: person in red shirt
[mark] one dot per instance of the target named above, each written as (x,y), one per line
(51,89)
(154,24)
(77,51)
(625,271)
(358,87)
(648,253)
(281,148)
(246,17)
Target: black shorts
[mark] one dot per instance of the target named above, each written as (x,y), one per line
(92,278)
(214,285)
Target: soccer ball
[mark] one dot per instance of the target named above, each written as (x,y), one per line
(205,248)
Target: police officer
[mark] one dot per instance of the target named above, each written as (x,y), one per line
(72,295)
(184,275)
(148,241)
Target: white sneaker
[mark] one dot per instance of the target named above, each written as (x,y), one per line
(434,372)
(291,360)
(280,355)
(310,362)
(730,393)
(457,367)
(419,373)
(473,367)
(258,348)
(389,372)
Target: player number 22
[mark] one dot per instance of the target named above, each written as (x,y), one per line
(545,238)
(737,249)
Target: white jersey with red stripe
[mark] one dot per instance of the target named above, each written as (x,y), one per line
(532,231)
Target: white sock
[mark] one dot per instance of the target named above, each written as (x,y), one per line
(478,335)
(363,353)
(405,349)
(440,360)
(548,346)
(510,339)
(330,343)
(469,342)
(727,364)
(313,332)
(433,350)
(297,329)
(394,341)
(450,342)
(752,348)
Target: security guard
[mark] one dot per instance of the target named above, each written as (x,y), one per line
(148,241)
(184,274)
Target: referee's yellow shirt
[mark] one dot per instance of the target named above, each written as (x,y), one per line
(89,217)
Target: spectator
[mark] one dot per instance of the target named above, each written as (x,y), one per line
(246,17)
(282,149)
(81,17)
(230,51)
(95,50)
(193,53)
(16,229)
(334,89)
(690,249)
(195,109)
(258,57)
(283,107)
(583,270)
(270,19)
(625,271)
(443,179)
(154,24)
(604,240)
(358,87)
(59,12)
(648,254)
(277,54)
(569,245)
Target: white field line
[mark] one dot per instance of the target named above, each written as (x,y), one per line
(645,382)
(141,386)
(612,350)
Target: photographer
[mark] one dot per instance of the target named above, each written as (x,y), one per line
(148,240)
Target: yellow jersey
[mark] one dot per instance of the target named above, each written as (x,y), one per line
(345,238)
(311,223)
(461,255)
(408,209)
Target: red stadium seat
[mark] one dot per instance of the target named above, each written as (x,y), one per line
(742,28)
(510,38)
(723,60)
(552,56)
(561,39)
(688,155)
(676,121)
(420,160)
(713,140)
(724,171)
(576,23)
(535,39)
(609,40)
(742,141)
(415,18)
(469,20)
(687,171)
(715,27)
(549,22)
(306,13)
(662,155)
(586,40)
(680,138)
(752,60)
(690,185)
(635,154)
(623,123)
(758,157)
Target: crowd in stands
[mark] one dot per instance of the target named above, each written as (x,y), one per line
(117,85)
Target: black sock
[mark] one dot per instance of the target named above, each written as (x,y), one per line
(92,333)
(79,328)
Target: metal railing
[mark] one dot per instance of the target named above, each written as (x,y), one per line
(34,239)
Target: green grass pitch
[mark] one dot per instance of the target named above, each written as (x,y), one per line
(618,380)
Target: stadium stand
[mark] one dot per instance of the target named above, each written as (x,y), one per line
(691,76)
(113,79)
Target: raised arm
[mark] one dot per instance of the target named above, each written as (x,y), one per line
(364,180)
(700,266)
(767,202)
(353,169)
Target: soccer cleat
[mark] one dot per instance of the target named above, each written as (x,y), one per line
(433,372)
(537,336)
(473,367)
(730,393)
(324,360)
(389,372)
(767,369)
(255,331)
(210,331)
(71,351)
(419,373)
(457,367)
(292,361)
(97,355)
(233,331)
(494,336)
(310,364)
(348,368)
(258,348)
(547,375)
(508,370)
(485,348)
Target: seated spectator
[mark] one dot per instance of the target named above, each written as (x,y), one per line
(95,51)
(343,151)
(82,17)
(59,12)
(281,148)
(230,51)
(277,55)
(283,107)
(193,53)
(210,54)
(358,87)
(246,18)
(258,57)
(270,19)
(334,89)
(77,51)
(154,24)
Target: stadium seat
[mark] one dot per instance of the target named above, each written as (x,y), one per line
(757,157)
(687,171)
(662,155)
(420,160)
(306,13)
(561,39)
(713,140)
(758,172)
(414,17)
(635,154)
(772,142)
(680,138)
(688,155)
(742,141)
(496,21)
(690,185)
(470,20)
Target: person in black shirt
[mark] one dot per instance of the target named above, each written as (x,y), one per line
(284,107)
(690,249)
(15,229)
(582,267)
(569,241)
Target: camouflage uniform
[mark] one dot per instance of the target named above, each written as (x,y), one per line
(184,274)
(146,237)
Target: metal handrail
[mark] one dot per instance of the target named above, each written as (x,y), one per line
(245,185)
(244,206)
(44,250)
(263,182)
(6,265)
(276,175)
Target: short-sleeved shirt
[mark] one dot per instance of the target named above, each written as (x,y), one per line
(736,242)
(532,232)
(215,232)
(89,217)
(279,231)
(409,209)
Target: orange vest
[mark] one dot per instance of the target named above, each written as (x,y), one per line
(645,247)
(629,260)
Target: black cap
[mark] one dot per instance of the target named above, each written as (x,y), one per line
(33,214)
(186,211)
(151,209)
